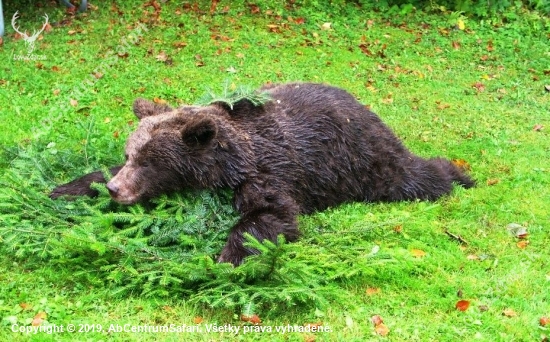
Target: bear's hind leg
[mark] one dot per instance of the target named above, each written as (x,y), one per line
(429,179)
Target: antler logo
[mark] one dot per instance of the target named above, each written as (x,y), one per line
(29,40)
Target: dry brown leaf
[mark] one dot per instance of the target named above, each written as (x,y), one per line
(273,28)
(472,257)
(162,57)
(479,86)
(547,88)
(213,6)
(382,329)
(73,102)
(522,244)
(544,321)
(25,306)
(254,9)
(376,320)
(509,313)
(418,253)
(38,319)
(199,62)
(254,319)
(462,305)
(365,49)
(461,164)
(492,181)
(179,44)
(56,92)
(198,320)
(159,101)
(379,326)
(456,45)
(309,338)
(538,127)
(371,291)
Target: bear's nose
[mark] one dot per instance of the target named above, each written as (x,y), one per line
(113,189)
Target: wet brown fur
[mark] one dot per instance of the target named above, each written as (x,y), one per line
(310,147)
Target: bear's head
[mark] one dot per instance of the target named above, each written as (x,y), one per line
(174,149)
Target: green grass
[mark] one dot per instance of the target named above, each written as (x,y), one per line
(472,94)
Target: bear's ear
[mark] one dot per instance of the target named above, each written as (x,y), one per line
(144,108)
(199,132)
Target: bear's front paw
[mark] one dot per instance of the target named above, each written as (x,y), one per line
(73,190)
(81,186)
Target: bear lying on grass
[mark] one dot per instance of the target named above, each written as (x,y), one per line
(309,147)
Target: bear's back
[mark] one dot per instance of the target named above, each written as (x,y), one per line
(318,141)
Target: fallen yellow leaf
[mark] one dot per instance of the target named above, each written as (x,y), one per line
(418,253)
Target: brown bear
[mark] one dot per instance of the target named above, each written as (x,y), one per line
(309,147)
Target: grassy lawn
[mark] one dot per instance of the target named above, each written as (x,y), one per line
(473,266)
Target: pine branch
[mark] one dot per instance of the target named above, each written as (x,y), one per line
(231,97)
(170,248)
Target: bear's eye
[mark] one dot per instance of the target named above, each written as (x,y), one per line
(126,156)
(144,163)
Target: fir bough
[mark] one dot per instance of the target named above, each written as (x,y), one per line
(232,94)
(167,249)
